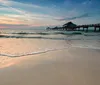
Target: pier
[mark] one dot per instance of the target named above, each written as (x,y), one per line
(86,27)
(73,27)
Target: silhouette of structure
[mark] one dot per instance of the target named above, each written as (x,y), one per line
(69,26)
(73,27)
(86,27)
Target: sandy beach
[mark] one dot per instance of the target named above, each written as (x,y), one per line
(72,66)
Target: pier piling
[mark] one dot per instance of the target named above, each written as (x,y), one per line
(99,29)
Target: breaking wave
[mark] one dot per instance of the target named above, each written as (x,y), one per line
(71,37)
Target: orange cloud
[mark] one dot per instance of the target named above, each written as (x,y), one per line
(8,20)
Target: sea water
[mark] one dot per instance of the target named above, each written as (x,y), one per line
(41,41)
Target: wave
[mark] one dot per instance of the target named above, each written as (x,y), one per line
(46,33)
(12,36)
(84,46)
(29,33)
(91,34)
(33,53)
(39,37)
(47,37)
(49,50)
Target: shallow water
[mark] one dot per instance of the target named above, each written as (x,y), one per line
(32,42)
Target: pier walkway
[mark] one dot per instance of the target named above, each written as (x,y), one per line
(86,27)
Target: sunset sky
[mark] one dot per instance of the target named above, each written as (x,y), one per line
(38,13)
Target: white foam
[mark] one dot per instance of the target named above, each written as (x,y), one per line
(33,53)
(83,46)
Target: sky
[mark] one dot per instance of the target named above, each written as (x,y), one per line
(42,13)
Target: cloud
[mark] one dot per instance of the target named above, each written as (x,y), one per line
(14,26)
(19,4)
(73,18)
(18,15)
(87,2)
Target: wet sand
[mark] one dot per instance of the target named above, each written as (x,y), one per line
(73,66)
